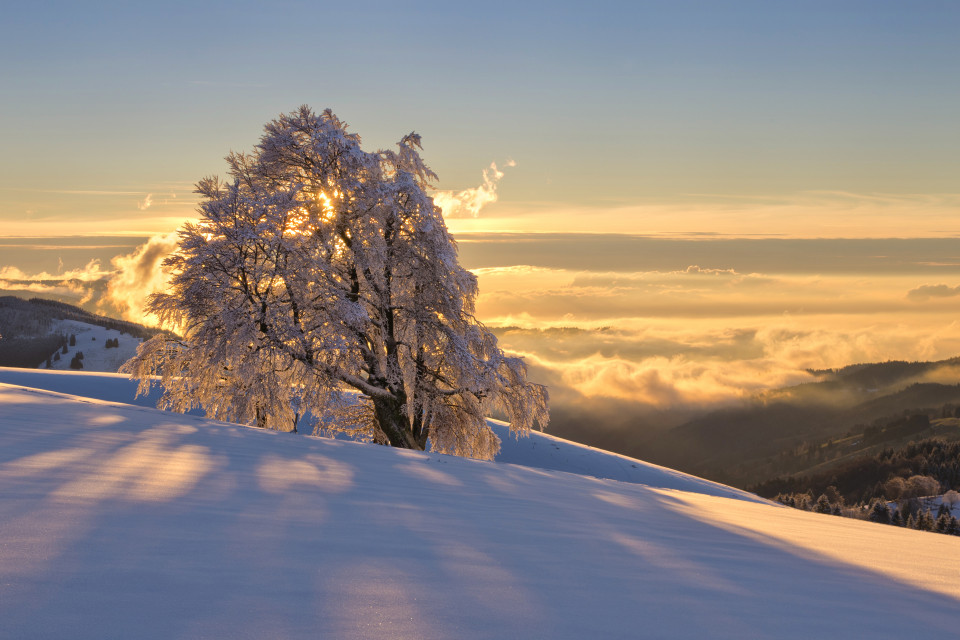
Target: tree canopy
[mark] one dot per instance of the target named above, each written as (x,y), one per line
(317,269)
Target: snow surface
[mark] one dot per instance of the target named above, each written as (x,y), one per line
(90,340)
(539,450)
(120,521)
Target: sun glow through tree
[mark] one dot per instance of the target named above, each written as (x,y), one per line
(321,267)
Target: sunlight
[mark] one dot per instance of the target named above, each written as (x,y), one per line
(328,204)
(421,470)
(45,462)
(923,559)
(677,565)
(105,420)
(279,475)
(146,470)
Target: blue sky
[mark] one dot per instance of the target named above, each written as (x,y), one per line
(601,105)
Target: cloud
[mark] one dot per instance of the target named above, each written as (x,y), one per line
(928,291)
(89,273)
(78,192)
(536,296)
(621,253)
(144,204)
(136,276)
(55,246)
(75,291)
(120,291)
(469,202)
(76,286)
(664,383)
(677,366)
(634,341)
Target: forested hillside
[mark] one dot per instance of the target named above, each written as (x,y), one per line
(878,476)
(849,412)
(30,331)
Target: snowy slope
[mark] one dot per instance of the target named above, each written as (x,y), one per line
(113,387)
(119,521)
(539,450)
(91,340)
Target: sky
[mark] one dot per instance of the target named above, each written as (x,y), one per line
(667,203)
(641,117)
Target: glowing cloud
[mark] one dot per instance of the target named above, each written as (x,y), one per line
(89,273)
(469,202)
(138,275)
(145,204)
(78,286)
(121,290)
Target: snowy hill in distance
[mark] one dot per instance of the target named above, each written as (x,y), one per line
(118,520)
(91,340)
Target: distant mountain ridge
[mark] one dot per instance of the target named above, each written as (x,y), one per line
(737,445)
(31,330)
(39,311)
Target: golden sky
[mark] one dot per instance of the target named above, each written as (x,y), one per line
(740,117)
(667,203)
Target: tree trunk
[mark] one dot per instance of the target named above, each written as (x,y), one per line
(393,422)
(261,417)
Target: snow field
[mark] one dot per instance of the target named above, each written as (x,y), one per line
(91,340)
(121,521)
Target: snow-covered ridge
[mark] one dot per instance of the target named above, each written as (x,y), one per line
(91,340)
(121,521)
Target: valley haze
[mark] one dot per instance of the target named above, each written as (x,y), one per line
(638,332)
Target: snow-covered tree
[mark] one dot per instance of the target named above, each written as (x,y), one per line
(823,505)
(879,512)
(951,498)
(319,267)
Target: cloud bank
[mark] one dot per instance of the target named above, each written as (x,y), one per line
(717,323)
(119,291)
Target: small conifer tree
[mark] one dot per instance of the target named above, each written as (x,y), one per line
(953,527)
(823,504)
(942,523)
(880,512)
